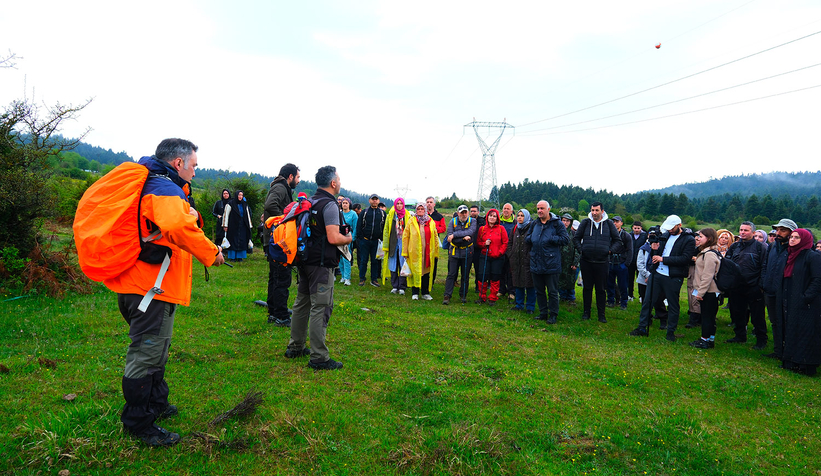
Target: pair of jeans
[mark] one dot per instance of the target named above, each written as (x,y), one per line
(617,275)
(526,298)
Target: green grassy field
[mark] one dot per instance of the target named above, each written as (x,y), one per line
(426,389)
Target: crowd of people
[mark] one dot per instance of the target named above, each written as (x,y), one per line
(542,259)
(532,260)
(539,260)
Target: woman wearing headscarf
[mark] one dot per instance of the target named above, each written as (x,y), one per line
(800,298)
(218,210)
(350,218)
(518,252)
(705,290)
(392,245)
(761,236)
(492,242)
(420,247)
(236,222)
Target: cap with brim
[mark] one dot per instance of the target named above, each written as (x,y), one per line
(462,208)
(568,216)
(786,223)
(618,218)
(772,232)
(373,195)
(670,223)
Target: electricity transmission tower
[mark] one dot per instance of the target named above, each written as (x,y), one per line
(487,175)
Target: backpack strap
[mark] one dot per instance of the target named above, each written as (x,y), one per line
(156,289)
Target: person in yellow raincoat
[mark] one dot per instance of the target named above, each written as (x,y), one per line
(420,247)
(392,245)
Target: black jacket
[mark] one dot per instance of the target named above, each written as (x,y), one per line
(622,252)
(751,257)
(800,297)
(681,256)
(637,244)
(371,224)
(546,241)
(595,243)
(774,271)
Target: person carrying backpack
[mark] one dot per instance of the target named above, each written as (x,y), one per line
(164,212)
(315,289)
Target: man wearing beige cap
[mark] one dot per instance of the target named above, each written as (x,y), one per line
(771,279)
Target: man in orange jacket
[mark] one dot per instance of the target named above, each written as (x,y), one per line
(166,216)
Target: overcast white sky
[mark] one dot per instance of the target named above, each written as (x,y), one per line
(381,89)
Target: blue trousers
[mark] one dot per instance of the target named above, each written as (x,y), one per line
(618,272)
(526,298)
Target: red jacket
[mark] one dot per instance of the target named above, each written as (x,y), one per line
(497,236)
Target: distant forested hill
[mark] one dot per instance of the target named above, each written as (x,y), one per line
(775,184)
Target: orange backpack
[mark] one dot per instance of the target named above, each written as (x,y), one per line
(106,225)
(291,232)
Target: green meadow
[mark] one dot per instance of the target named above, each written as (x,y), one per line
(426,389)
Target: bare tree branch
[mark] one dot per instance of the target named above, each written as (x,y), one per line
(9,60)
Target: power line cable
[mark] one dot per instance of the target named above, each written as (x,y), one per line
(672,102)
(673,81)
(680,113)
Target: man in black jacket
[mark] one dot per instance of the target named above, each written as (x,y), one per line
(639,237)
(772,279)
(279,277)
(751,256)
(671,258)
(368,233)
(595,238)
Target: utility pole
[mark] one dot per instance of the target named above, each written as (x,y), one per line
(487,175)
(402,191)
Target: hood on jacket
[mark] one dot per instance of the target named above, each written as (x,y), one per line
(603,217)
(160,167)
(645,246)
(280,178)
(492,210)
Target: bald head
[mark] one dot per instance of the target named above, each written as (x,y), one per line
(543,210)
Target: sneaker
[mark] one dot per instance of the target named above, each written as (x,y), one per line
(446,300)
(375,284)
(394,291)
(362,282)
(170,411)
(630,298)
(160,437)
(329,364)
(415,297)
(401,292)
(427,297)
(293,353)
(736,340)
(281,322)
(702,344)
(639,332)
(347,282)
(464,300)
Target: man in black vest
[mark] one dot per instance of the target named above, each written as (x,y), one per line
(315,290)
(280,194)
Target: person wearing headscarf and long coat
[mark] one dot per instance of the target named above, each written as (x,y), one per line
(492,243)
(518,253)
(237,225)
(392,245)
(218,210)
(420,247)
(800,299)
